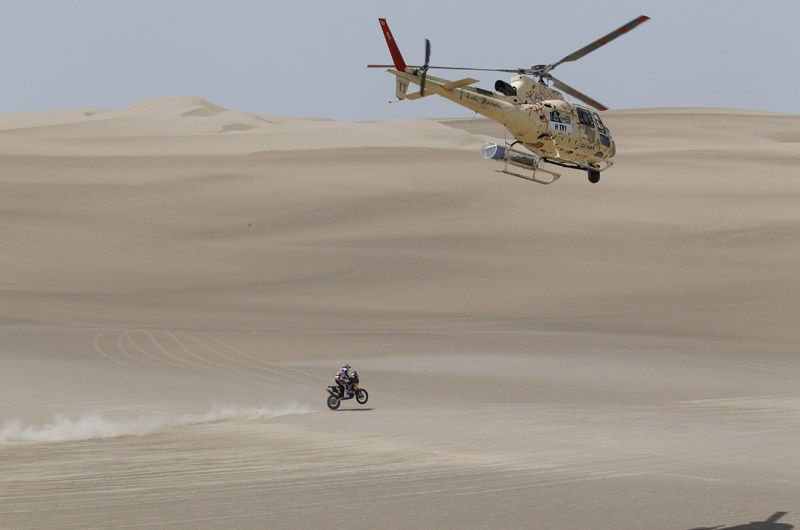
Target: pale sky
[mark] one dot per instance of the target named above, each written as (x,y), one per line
(308,58)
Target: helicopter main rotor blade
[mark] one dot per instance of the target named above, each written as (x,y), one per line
(432,67)
(602,41)
(538,70)
(560,85)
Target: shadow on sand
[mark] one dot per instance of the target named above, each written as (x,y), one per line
(355,410)
(771,523)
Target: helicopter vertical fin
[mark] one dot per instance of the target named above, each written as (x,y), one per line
(397,57)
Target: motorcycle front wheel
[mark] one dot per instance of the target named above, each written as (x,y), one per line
(334,402)
(362,396)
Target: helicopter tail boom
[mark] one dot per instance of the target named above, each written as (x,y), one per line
(437,85)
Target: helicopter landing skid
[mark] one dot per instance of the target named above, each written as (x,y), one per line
(525,162)
(532,177)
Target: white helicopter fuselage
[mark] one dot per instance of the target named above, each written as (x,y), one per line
(536,116)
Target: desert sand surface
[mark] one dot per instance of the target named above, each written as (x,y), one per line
(180,282)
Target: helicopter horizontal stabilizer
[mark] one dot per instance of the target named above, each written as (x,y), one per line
(452,85)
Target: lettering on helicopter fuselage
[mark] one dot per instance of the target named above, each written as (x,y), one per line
(482,100)
(561,127)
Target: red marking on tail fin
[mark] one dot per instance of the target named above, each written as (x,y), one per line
(397,57)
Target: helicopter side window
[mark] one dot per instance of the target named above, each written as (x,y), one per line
(585,117)
(600,126)
(560,117)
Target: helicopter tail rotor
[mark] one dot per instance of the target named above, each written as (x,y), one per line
(424,69)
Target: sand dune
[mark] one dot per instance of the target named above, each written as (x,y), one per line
(181,280)
(193,126)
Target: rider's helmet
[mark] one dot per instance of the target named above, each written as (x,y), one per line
(345,367)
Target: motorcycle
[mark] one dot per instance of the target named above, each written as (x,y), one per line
(336,394)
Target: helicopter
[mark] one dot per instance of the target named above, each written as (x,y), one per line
(531,106)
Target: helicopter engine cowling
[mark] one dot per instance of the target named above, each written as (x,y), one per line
(505,88)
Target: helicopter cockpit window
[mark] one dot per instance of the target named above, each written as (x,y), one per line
(585,117)
(600,126)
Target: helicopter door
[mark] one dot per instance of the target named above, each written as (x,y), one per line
(605,136)
(560,121)
(586,125)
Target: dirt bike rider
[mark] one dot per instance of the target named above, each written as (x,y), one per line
(344,379)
